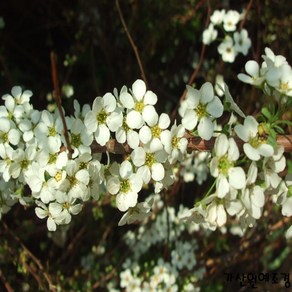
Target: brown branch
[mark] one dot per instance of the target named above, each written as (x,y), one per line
(32,256)
(5,283)
(57,96)
(134,47)
(245,14)
(194,143)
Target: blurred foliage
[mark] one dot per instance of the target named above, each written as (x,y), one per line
(94,56)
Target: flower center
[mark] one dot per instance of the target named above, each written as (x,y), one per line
(83,165)
(125,186)
(24,164)
(175,141)
(52,131)
(72,180)
(139,106)
(76,140)
(150,159)
(284,86)
(101,117)
(58,176)
(4,137)
(224,164)
(201,110)
(156,131)
(66,205)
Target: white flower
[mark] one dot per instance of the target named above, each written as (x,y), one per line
(8,134)
(230,20)
(216,214)
(16,105)
(287,200)
(149,164)
(126,186)
(35,178)
(19,96)
(217,16)
(52,212)
(255,136)
(255,76)
(209,34)
(80,138)
(196,215)
(226,50)
(96,177)
(49,128)
(222,166)
(104,117)
(242,42)
(272,166)
(78,112)
(272,60)
(175,144)
(202,107)
(68,206)
(21,161)
(280,79)
(6,154)
(139,105)
(138,213)
(127,135)
(252,196)
(154,131)
(76,181)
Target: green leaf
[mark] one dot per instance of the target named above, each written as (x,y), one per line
(267,113)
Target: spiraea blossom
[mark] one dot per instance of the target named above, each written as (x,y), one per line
(138,213)
(255,137)
(125,185)
(175,144)
(230,20)
(103,118)
(242,42)
(252,196)
(227,50)
(209,34)
(223,167)
(149,164)
(201,109)
(76,181)
(139,105)
(255,75)
(8,133)
(153,132)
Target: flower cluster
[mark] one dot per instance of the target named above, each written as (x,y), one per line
(33,152)
(234,42)
(274,75)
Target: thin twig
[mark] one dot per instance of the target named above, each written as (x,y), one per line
(196,71)
(134,47)
(245,14)
(5,283)
(31,255)
(57,96)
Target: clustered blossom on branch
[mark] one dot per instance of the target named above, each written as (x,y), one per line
(234,42)
(32,153)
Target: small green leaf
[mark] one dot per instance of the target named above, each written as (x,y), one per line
(267,113)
